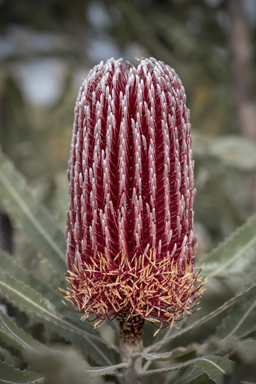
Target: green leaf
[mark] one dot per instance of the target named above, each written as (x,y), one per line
(190,376)
(34,219)
(236,255)
(233,151)
(25,297)
(176,352)
(8,264)
(8,343)
(28,299)
(240,320)
(18,335)
(214,366)
(102,371)
(96,350)
(9,374)
(244,351)
(63,367)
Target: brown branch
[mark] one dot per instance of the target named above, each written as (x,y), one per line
(131,341)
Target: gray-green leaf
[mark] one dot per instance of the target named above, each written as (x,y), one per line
(28,299)
(11,375)
(214,366)
(176,352)
(8,264)
(240,321)
(107,370)
(18,335)
(8,343)
(236,255)
(232,150)
(34,219)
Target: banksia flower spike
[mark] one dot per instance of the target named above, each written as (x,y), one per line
(130,242)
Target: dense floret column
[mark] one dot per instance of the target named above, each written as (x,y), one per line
(130,242)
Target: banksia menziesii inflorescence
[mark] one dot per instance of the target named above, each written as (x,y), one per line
(130,244)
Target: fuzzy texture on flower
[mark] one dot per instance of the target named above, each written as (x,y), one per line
(130,242)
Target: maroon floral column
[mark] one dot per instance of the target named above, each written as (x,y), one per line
(130,241)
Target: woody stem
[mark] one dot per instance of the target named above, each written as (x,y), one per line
(131,341)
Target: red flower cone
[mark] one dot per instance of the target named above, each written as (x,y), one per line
(130,242)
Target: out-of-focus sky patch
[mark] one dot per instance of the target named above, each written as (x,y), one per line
(25,41)
(97,16)
(41,80)
(250,11)
(103,49)
(101,46)
(7,47)
(249,7)
(223,20)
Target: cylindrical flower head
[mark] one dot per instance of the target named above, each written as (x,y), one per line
(130,242)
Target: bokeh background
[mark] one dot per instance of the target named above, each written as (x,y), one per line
(47,48)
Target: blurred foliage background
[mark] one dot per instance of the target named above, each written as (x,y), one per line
(48,46)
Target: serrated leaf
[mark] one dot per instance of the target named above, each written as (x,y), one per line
(176,352)
(8,343)
(8,264)
(18,335)
(33,218)
(216,367)
(240,320)
(99,352)
(28,299)
(11,375)
(235,256)
(102,371)
(25,297)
